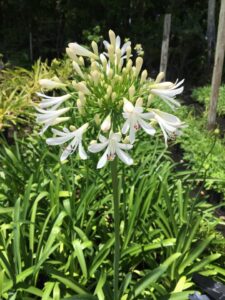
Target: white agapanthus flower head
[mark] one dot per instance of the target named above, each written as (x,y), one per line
(108,99)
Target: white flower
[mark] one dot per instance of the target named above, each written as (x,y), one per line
(113,148)
(168,123)
(66,135)
(79,50)
(51,117)
(168,91)
(135,118)
(48,101)
(116,43)
(50,84)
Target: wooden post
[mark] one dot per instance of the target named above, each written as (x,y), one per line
(218,68)
(165,43)
(211,31)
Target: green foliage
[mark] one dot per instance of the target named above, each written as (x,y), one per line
(203,152)
(202,95)
(56,227)
(18,87)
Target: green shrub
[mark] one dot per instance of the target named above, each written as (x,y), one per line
(202,95)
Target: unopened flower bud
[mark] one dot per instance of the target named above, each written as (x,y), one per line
(106,125)
(139,63)
(139,102)
(160,77)
(95,77)
(118,55)
(94,66)
(80,106)
(103,60)
(111,53)
(112,38)
(149,99)
(109,90)
(81,96)
(129,65)
(97,119)
(81,87)
(131,91)
(72,128)
(81,61)
(72,55)
(110,73)
(93,142)
(126,140)
(78,69)
(128,52)
(94,47)
(114,95)
(144,75)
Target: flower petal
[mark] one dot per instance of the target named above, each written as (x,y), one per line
(82,153)
(124,157)
(103,160)
(94,148)
(147,127)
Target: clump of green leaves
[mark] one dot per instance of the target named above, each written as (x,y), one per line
(202,95)
(56,240)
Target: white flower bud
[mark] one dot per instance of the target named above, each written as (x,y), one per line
(95,77)
(94,66)
(103,60)
(111,53)
(128,52)
(112,38)
(93,142)
(129,65)
(110,73)
(97,119)
(81,96)
(160,77)
(139,102)
(144,75)
(109,91)
(106,125)
(139,63)
(78,69)
(80,106)
(131,91)
(118,56)
(81,61)
(72,55)
(72,128)
(94,47)
(114,95)
(81,87)
(81,51)
(149,99)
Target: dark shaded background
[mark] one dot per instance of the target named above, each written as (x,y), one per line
(51,24)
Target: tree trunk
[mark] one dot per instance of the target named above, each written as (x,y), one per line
(218,68)
(165,43)
(211,31)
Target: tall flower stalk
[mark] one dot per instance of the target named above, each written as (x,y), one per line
(105,106)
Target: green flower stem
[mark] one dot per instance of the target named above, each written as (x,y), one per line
(116,212)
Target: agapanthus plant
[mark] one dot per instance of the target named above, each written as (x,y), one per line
(110,97)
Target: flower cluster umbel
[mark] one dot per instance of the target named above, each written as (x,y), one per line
(110,98)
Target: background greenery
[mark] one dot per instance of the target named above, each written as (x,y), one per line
(51,24)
